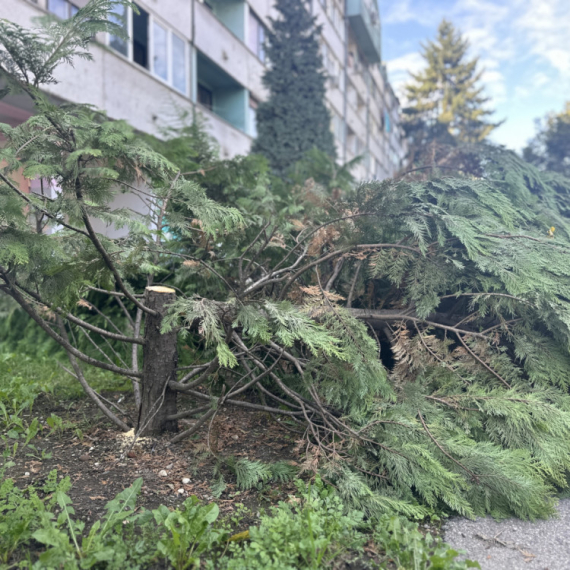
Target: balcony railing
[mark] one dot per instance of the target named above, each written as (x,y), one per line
(365,22)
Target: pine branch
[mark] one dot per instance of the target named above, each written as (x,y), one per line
(481,361)
(471,474)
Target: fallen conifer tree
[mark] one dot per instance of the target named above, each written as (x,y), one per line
(414,333)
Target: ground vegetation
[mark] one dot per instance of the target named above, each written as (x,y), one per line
(411,334)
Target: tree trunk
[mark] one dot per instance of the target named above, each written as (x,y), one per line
(160,359)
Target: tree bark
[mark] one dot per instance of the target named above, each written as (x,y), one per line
(160,359)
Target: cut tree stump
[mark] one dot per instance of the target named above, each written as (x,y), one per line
(160,360)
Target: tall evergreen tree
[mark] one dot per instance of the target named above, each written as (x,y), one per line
(446,100)
(550,149)
(294,119)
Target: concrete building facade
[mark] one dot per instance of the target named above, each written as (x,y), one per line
(209,55)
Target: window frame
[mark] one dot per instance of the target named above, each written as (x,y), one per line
(259,50)
(69,6)
(170,32)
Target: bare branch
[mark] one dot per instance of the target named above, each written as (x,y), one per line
(88,390)
(16,295)
(353,284)
(336,253)
(389,315)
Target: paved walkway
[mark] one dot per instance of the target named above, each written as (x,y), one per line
(514,544)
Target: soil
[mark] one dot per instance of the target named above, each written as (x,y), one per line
(101,461)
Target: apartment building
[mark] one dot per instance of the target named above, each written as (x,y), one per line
(209,55)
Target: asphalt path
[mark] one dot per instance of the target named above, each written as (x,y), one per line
(513,544)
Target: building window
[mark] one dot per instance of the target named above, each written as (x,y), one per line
(205,97)
(256,36)
(178,63)
(62,8)
(169,51)
(335,16)
(140,38)
(337,125)
(160,51)
(332,67)
(119,16)
(252,117)
(355,145)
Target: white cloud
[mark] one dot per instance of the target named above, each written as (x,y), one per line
(400,69)
(495,85)
(399,13)
(544,26)
(540,79)
(405,11)
(523,48)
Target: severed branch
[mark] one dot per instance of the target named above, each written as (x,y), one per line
(336,253)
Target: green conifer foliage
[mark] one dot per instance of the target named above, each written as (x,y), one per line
(294,119)
(415,332)
(446,100)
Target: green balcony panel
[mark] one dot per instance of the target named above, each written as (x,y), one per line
(221,93)
(365,21)
(231,13)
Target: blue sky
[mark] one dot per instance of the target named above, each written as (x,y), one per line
(523,46)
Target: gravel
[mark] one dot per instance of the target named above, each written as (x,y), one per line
(514,544)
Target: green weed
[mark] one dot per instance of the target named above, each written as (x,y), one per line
(311,531)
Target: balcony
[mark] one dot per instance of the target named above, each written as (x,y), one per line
(365,22)
(231,13)
(221,93)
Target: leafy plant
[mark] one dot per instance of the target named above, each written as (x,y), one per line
(189,533)
(22,512)
(406,547)
(58,425)
(308,532)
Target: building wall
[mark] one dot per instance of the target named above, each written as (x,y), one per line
(211,64)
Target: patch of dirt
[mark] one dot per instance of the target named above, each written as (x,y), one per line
(101,461)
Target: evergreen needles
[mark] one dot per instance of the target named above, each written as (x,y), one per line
(294,119)
(413,333)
